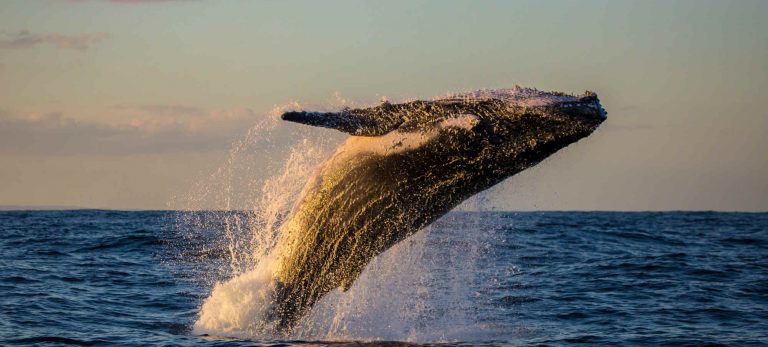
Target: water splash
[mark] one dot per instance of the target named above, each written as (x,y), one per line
(421,290)
(417,291)
(236,307)
(230,218)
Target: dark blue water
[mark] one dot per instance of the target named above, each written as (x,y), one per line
(550,278)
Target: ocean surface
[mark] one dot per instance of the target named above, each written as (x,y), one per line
(93,277)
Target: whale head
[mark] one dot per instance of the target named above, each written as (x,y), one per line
(518,126)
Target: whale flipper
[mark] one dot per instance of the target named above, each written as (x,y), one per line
(374,121)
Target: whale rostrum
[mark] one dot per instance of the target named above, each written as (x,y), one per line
(405,166)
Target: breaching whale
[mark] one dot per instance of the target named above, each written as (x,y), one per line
(404,166)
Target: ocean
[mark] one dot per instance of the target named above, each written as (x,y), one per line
(99,277)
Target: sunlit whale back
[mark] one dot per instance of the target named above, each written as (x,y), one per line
(405,166)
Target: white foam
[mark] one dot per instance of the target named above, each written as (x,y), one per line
(236,308)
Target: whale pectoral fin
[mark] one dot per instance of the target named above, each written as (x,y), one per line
(374,121)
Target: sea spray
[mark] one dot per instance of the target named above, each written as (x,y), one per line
(236,307)
(230,218)
(433,288)
(239,214)
(418,291)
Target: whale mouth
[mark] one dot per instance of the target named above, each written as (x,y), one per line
(586,107)
(592,102)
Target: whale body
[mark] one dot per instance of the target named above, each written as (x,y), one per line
(405,166)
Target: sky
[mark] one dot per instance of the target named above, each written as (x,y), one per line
(128,104)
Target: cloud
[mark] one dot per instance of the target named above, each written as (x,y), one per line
(160,109)
(54,134)
(26,39)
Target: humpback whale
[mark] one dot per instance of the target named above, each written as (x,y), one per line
(405,166)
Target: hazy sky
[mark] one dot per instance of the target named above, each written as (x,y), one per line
(126,104)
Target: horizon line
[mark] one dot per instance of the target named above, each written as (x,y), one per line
(65,208)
